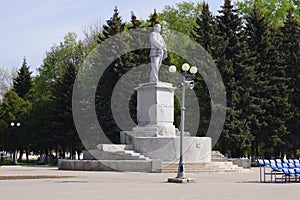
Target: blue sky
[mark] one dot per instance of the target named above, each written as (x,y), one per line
(30,28)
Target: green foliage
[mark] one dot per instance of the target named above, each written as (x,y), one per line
(54,64)
(113,27)
(228,57)
(52,88)
(204,32)
(62,123)
(13,109)
(290,51)
(274,11)
(110,77)
(182,17)
(271,108)
(22,83)
(205,29)
(39,125)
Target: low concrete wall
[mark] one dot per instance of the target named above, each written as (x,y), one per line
(154,166)
(242,162)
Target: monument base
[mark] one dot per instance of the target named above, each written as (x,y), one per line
(167,149)
(126,137)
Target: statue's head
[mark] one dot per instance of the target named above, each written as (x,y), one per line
(157,28)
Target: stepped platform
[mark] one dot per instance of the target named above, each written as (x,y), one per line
(152,166)
(122,158)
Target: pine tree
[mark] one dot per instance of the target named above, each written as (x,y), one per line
(22,83)
(110,77)
(257,30)
(204,32)
(290,51)
(113,27)
(278,109)
(228,32)
(135,22)
(154,19)
(270,91)
(205,29)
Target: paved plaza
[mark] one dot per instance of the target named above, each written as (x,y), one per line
(30,183)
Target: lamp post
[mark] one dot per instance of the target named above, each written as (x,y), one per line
(14,126)
(187,76)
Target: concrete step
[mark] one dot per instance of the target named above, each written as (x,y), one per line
(114,147)
(119,152)
(114,155)
(132,155)
(217,156)
(217,153)
(203,167)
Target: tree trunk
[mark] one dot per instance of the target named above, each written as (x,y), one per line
(64,153)
(73,153)
(253,153)
(21,154)
(27,155)
(14,161)
(46,156)
(79,152)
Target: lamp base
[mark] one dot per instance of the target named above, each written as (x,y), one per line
(181,180)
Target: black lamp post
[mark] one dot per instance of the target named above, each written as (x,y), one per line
(14,127)
(187,76)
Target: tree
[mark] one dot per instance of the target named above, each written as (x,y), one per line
(229,45)
(274,11)
(62,124)
(22,83)
(110,76)
(290,51)
(182,17)
(278,109)
(256,31)
(205,29)
(50,74)
(5,82)
(204,32)
(270,91)
(135,23)
(54,64)
(13,109)
(91,34)
(41,134)
(113,27)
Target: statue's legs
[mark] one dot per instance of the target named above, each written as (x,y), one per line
(155,65)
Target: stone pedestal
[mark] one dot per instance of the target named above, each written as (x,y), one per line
(155,109)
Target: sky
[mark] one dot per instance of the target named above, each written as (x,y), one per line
(30,28)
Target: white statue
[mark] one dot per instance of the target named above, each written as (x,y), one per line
(158,52)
